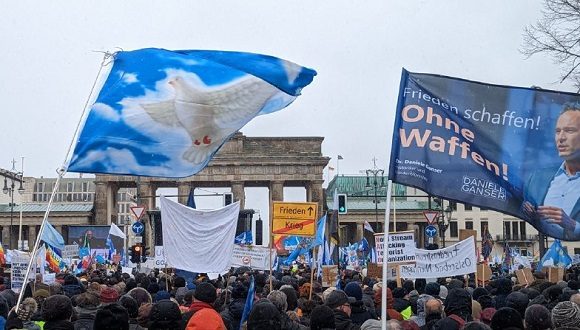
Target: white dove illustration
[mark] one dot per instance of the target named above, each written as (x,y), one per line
(210,114)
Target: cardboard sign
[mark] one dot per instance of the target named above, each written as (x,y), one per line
(159,257)
(525,276)
(329,276)
(376,271)
(483,272)
(49,278)
(465,233)
(555,274)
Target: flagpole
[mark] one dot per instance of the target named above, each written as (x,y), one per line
(312,268)
(270,250)
(38,238)
(385,253)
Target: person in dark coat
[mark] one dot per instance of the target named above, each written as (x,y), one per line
(359,314)
(71,286)
(433,313)
(504,287)
(86,309)
(113,317)
(339,302)
(458,310)
(232,314)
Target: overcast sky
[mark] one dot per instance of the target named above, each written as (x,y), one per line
(51,54)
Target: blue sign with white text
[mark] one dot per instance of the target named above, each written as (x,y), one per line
(511,149)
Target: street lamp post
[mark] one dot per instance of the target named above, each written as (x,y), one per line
(9,189)
(442,223)
(374,173)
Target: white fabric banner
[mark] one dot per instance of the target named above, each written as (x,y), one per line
(198,241)
(457,259)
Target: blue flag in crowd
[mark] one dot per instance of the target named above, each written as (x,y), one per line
(320,226)
(52,237)
(191,199)
(249,302)
(556,256)
(166,113)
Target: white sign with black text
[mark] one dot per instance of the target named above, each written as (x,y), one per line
(401,247)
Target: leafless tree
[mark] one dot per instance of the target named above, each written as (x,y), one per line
(557,34)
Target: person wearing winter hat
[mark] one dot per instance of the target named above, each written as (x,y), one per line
(232,313)
(279,299)
(566,314)
(264,316)
(108,296)
(165,315)
(322,318)
(359,314)
(56,312)
(340,304)
(204,315)
(21,318)
(518,301)
(132,310)
(507,318)
(458,309)
(443,291)
(112,317)
(141,295)
(432,289)
(161,295)
(537,317)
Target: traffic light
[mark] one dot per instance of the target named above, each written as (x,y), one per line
(135,253)
(342,204)
(144,253)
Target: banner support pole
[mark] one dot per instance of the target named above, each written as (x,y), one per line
(385,253)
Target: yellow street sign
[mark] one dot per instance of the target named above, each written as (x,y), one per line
(294,218)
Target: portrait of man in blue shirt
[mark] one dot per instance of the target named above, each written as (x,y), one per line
(551,194)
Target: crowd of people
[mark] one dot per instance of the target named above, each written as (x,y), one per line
(102,299)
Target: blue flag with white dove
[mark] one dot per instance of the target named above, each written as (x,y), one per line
(166,113)
(556,256)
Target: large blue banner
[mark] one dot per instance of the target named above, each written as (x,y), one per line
(511,149)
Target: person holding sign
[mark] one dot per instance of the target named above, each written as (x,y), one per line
(551,195)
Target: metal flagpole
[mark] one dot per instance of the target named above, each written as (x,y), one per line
(38,239)
(385,253)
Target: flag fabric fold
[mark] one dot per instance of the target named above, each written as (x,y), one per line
(369,227)
(320,230)
(244,238)
(116,231)
(166,113)
(209,233)
(52,237)
(486,243)
(191,199)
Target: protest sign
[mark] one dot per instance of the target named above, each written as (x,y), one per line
(255,257)
(159,257)
(401,247)
(18,272)
(49,278)
(329,275)
(128,270)
(455,139)
(555,274)
(483,272)
(376,271)
(524,276)
(70,251)
(457,259)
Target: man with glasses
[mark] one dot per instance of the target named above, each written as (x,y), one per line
(339,302)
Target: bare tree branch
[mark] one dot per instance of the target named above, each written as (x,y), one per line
(557,34)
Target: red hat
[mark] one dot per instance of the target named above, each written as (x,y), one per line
(109,295)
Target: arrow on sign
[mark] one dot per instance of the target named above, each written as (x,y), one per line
(138,211)
(430,216)
(310,209)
